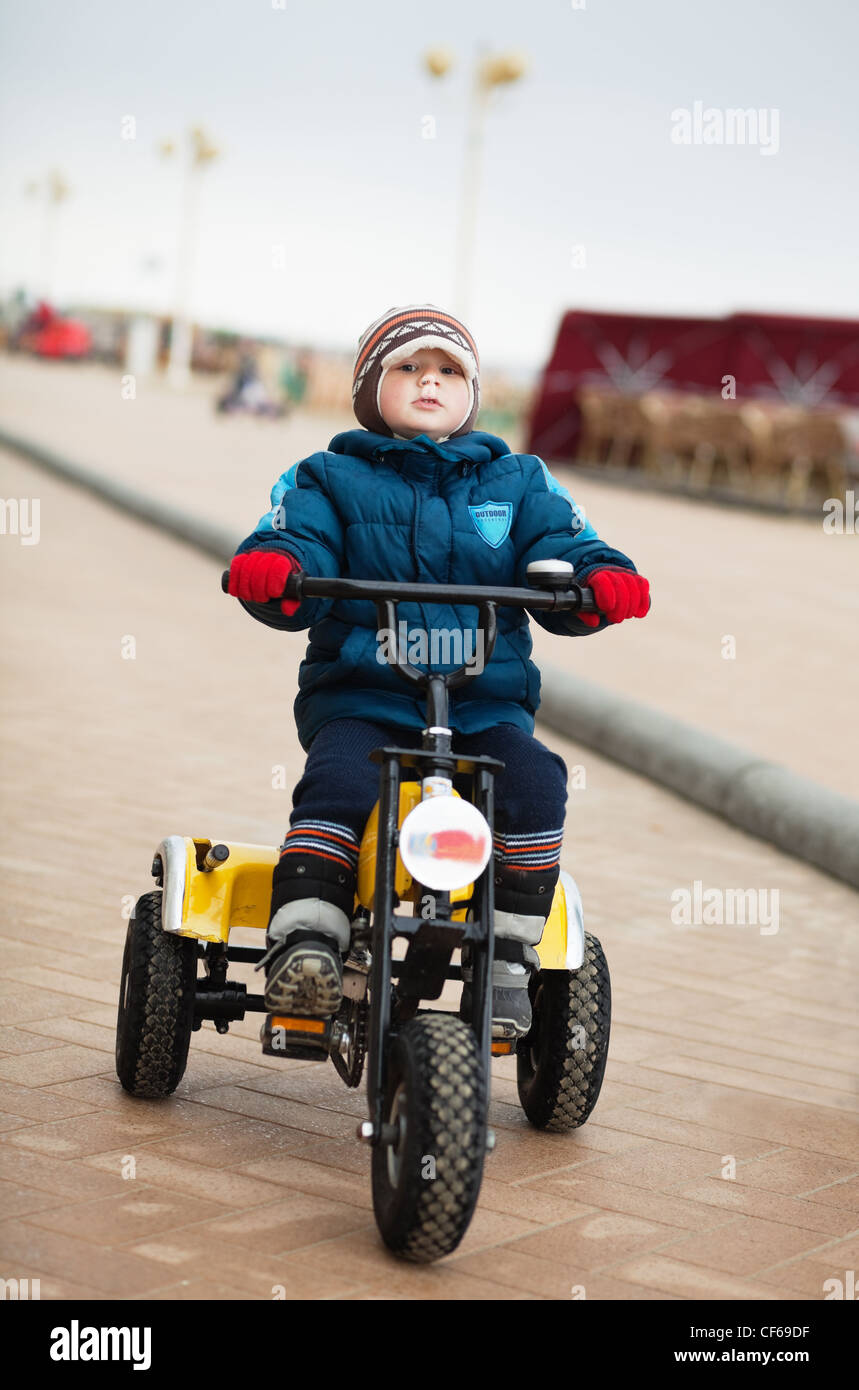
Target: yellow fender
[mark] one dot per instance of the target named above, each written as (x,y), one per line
(206,905)
(562,945)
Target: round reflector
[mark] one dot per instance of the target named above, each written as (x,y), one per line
(445,843)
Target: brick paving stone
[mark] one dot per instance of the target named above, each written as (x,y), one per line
(198,1291)
(256,1105)
(287,1224)
(139,1212)
(758,1066)
(66,1177)
(517,1270)
(747,1245)
(493,1229)
(195,1254)
(105,1091)
(100,1037)
(232,1143)
(287,1171)
(154,1170)
(844,1252)
(654,1165)
(383,1295)
(321,1089)
(530,1201)
(518,1157)
(648,1126)
(8,1123)
(672,1276)
(734,1196)
(16,1200)
(94,1133)
(19,1004)
(431,1283)
(795,1172)
(55,985)
(16,1041)
(595,1242)
(38,1104)
(59,1063)
(840,1194)
(784,1121)
(744,1037)
(78,1260)
(674,1210)
(805,1279)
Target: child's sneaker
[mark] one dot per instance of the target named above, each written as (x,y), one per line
(304,976)
(511,1003)
(511,1006)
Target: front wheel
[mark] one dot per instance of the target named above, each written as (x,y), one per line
(561,1063)
(426,1179)
(156,1004)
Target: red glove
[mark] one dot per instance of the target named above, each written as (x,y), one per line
(618,594)
(260,575)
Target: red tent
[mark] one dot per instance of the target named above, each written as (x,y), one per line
(803,361)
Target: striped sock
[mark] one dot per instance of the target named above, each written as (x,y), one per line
(540,850)
(327,839)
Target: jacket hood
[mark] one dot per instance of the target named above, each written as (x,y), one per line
(475,447)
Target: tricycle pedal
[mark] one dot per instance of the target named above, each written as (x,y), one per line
(285,1035)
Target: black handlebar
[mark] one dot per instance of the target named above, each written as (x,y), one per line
(574,599)
(564,597)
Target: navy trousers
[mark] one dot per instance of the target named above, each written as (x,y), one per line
(341,785)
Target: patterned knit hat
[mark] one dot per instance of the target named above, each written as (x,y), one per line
(395,337)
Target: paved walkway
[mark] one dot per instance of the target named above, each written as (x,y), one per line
(722,1160)
(784,590)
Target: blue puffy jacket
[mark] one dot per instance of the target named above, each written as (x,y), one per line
(463,512)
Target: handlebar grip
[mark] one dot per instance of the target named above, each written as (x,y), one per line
(290,591)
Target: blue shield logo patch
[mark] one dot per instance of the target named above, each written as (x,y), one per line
(492,521)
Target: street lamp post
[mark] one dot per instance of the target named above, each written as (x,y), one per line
(181,336)
(490,71)
(55,191)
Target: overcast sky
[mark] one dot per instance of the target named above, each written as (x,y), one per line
(319,109)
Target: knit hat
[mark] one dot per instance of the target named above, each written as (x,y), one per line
(392,339)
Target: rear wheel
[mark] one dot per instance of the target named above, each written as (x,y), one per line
(156,1004)
(561,1063)
(426,1180)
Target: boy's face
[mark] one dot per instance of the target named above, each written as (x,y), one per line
(426,394)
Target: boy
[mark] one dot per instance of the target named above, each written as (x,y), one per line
(417,495)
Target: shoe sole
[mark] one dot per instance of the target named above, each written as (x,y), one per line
(505,1029)
(509,1031)
(305,982)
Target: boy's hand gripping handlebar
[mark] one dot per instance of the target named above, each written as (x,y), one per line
(554,590)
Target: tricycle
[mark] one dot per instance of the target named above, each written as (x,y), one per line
(428,843)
